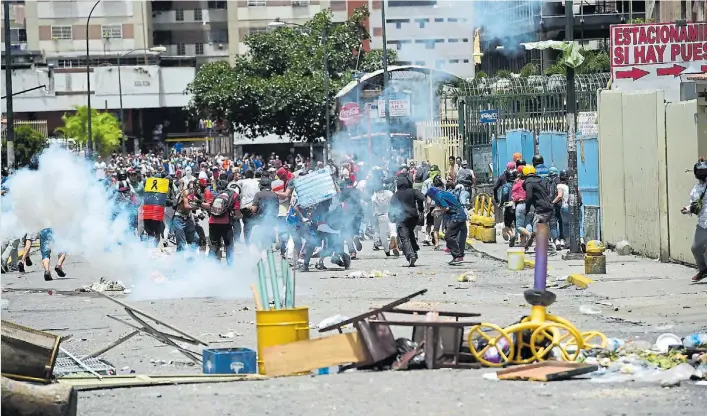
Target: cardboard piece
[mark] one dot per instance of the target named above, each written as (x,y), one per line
(302,356)
(546,371)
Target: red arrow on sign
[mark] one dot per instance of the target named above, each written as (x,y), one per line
(634,73)
(674,70)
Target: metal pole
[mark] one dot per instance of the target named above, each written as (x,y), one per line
(120,95)
(326,92)
(385,71)
(8,85)
(89,144)
(571,141)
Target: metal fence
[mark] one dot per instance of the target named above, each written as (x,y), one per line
(536,103)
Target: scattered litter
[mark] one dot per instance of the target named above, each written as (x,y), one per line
(695,340)
(589,310)
(104,285)
(490,376)
(374,273)
(606,304)
(665,341)
(230,334)
(579,280)
(665,327)
(333,320)
(623,248)
(469,276)
(546,371)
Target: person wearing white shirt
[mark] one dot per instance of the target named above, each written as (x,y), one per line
(249,187)
(100,168)
(384,229)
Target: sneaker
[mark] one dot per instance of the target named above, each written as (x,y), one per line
(353,255)
(59,271)
(320,266)
(387,253)
(5,269)
(512,242)
(699,276)
(28,261)
(376,247)
(456,260)
(446,250)
(48,275)
(21,266)
(412,260)
(426,243)
(357,243)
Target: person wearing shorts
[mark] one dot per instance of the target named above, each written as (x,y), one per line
(45,248)
(25,260)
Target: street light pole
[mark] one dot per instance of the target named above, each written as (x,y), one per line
(326,93)
(8,85)
(385,70)
(575,213)
(89,144)
(120,95)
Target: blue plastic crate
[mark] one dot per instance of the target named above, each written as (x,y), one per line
(229,361)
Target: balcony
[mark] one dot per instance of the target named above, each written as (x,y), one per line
(189,17)
(197,49)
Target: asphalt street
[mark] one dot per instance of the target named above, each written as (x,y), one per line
(496,293)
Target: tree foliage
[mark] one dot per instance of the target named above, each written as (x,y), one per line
(105,129)
(28,141)
(594,62)
(279,86)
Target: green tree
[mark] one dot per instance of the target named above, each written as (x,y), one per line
(28,141)
(278,87)
(105,129)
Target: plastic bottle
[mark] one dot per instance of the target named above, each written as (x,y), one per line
(695,340)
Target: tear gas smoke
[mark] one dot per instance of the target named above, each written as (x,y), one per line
(64,195)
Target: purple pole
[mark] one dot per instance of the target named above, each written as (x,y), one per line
(541,241)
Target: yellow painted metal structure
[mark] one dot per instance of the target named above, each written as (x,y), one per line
(280,326)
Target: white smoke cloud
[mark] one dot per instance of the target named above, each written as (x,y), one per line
(64,195)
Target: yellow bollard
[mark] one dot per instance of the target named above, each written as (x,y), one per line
(594,260)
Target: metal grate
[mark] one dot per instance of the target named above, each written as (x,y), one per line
(66,366)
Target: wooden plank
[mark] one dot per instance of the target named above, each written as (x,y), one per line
(301,356)
(81,383)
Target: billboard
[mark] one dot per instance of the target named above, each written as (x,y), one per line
(654,55)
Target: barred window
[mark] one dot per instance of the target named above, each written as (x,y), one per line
(199,48)
(179,15)
(62,32)
(112,31)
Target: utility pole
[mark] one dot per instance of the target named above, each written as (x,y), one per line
(385,71)
(326,93)
(575,214)
(10,129)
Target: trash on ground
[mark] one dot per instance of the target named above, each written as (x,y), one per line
(695,340)
(468,276)
(230,334)
(546,371)
(67,366)
(490,376)
(333,320)
(623,248)
(590,310)
(372,274)
(579,280)
(665,341)
(104,285)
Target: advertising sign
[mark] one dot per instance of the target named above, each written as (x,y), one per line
(350,113)
(397,106)
(654,55)
(488,116)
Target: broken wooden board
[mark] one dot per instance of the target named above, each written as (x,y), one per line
(28,354)
(308,355)
(546,371)
(25,399)
(83,383)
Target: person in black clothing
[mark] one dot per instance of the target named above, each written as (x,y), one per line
(406,211)
(539,195)
(352,206)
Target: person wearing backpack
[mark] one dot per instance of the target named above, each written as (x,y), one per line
(221,205)
(540,193)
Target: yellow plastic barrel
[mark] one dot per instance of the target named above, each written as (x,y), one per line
(516,258)
(278,327)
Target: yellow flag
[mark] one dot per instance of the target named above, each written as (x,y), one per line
(159,185)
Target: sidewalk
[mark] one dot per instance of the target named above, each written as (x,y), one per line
(643,290)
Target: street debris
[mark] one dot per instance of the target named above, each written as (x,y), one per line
(370,275)
(468,276)
(104,285)
(589,310)
(230,334)
(333,320)
(623,248)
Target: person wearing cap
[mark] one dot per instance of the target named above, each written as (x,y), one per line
(465,176)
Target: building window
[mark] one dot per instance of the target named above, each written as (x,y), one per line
(452,20)
(256,3)
(466,61)
(465,40)
(453,40)
(254,30)
(18,35)
(220,35)
(181,49)
(439,19)
(217,4)
(112,31)
(300,2)
(197,14)
(179,15)
(199,48)
(61,33)
(397,22)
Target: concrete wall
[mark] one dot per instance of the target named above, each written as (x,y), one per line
(143,87)
(646,152)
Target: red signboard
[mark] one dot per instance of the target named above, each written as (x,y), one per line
(350,113)
(654,55)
